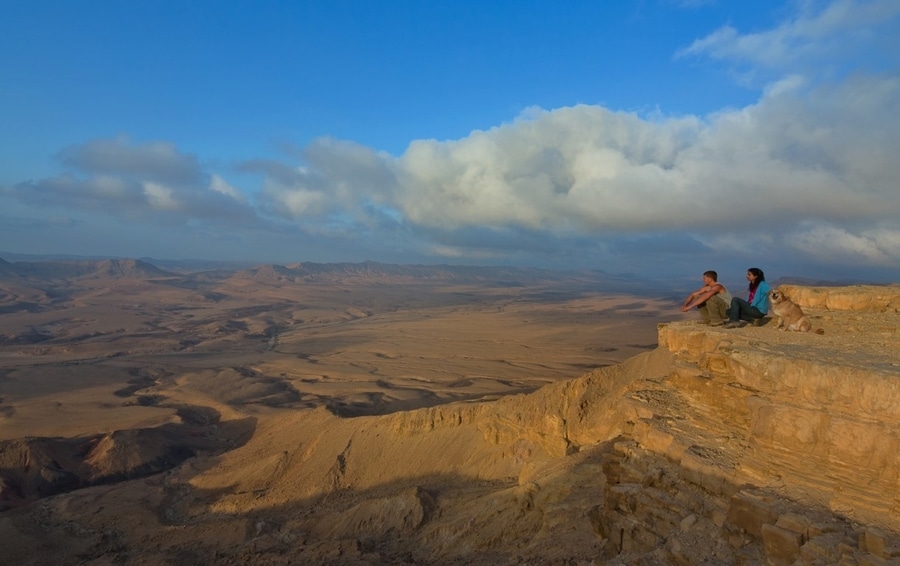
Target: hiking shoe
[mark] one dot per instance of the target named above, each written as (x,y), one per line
(758,322)
(732,324)
(716,322)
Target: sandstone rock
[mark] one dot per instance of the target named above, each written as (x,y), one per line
(871,560)
(845,548)
(795,523)
(804,405)
(782,546)
(650,437)
(822,549)
(824,527)
(869,298)
(400,514)
(688,522)
(749,512)
(872,540)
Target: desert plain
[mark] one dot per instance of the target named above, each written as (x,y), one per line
(378,414)
(192,364)
(120,344)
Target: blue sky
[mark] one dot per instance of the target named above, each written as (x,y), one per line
(656,136)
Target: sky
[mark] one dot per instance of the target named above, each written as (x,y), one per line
(653,137)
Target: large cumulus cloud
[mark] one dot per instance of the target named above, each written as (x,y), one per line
(808,170)
(806,159)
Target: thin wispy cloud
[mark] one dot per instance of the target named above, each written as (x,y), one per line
(818,33)
(148,182)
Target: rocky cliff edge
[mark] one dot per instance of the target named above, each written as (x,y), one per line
(747,445)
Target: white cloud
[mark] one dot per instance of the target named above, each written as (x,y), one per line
(457,252)
(758,175)
(220,185)
(142,182)
(820,33)
(838,245)
(575,169)
(160,197)
(109,187)
(158,161)
(300,202)
(342,183)
(740,181)
(587,169)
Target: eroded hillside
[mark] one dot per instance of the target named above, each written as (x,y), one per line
(721,446)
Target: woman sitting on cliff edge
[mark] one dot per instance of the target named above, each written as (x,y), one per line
(757,304)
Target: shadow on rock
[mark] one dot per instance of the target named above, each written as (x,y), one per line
(32,468)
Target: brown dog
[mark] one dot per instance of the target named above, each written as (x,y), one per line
(790,315)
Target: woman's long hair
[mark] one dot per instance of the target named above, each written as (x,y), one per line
(760,277)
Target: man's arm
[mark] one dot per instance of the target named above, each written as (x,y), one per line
(700,296)
(691,298)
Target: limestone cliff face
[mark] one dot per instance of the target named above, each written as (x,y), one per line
(785,444)
(816,424)
(816,418)
(860,298)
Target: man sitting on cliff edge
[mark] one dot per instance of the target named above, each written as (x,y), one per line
(712,300)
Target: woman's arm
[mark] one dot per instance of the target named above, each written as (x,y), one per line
(761,298)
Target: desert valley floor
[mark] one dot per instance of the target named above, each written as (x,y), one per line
(118,347)
(366,414)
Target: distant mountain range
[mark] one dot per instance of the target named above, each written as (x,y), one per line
(374,271)
(56,268)
(77,269)
(309,272)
